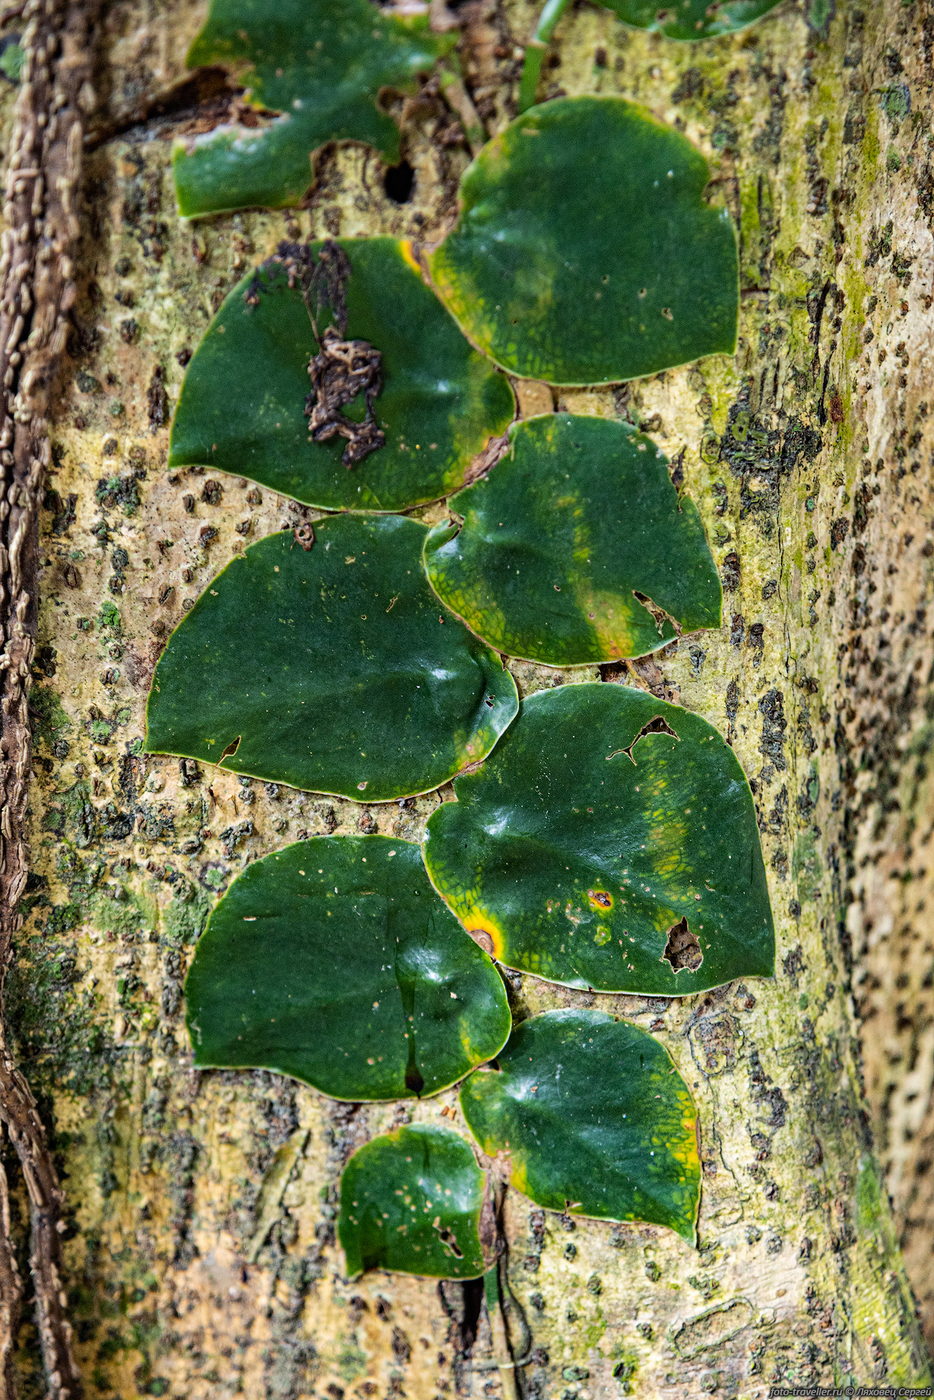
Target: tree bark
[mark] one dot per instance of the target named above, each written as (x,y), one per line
(199,1253)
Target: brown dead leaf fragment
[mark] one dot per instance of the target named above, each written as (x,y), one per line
(343,371)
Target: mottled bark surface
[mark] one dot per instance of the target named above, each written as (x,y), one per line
(200,1248)
(37,292)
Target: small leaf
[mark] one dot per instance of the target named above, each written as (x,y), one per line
(592,1118)
(584,252)
(242,405)
(12,58)
(603,820)
(333,961)
(562,538)
(330,667)
(411,1203)
(319,65)
(690,19)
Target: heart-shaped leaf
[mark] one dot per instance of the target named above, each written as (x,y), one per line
(411,1203)
(318,64)
(575,548)
(584,252)
(690,19)
(334,961)
(592,1118)
(243,402)
(609,842)
(330,666)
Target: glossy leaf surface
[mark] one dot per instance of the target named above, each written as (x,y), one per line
(603,820)
(411,1203)
(584,252)
(593,1118)
(242,403)
(319,66)
(578,518)
(332,668)
(690,19)
(334,961)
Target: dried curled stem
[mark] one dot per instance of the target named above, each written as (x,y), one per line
(343,371)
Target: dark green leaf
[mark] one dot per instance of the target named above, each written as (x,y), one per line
(334,961)
(319,64)
(593,1118)
(242,405)
(411,1203)
(690,19)
(331,668)
(585,253)
(559,541)
(609,842)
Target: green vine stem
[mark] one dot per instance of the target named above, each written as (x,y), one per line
(535,51)
(510,1354)
(505,1365)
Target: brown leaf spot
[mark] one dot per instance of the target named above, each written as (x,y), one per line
(482,939)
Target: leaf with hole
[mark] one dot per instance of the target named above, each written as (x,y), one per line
(313,70)
(334,961)
(584,252)
(591,1117)
(610,842)
(243,402)
(575,548)
(690,19)
(411,1202)
(330,666)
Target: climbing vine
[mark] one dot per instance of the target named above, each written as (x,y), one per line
(597,837)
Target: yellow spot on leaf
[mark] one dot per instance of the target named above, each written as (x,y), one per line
(611,618)
(519,1176)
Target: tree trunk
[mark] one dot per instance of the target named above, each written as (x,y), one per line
(199,1254)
